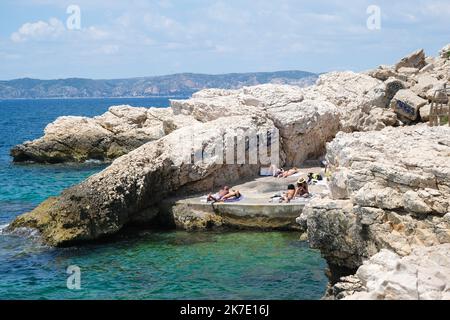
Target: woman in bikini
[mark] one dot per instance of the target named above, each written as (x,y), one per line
(301,190)
(289,173)
(224,194)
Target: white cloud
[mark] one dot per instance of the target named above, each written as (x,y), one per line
(96,33)
(247,35)
(438,8)
(40,30)
(9,56)
(109,49)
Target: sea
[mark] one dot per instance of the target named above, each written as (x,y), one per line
(145,264)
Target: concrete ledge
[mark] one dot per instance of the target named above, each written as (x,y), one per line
(254,211)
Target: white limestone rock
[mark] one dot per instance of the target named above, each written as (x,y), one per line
(422,275)
(413,60)
(389,189)
(407,104)
(444,53)
(305,125)
(130,189)
(425,82)
(115,133)
(383,73)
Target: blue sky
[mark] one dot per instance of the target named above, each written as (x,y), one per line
(120,39)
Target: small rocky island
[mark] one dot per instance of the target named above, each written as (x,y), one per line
(384,224)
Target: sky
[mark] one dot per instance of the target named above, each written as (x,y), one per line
(122,39)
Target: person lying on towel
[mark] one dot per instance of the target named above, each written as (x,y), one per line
(225,194)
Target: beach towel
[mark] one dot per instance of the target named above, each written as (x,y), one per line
(204,199)
(234,200)
(275,200)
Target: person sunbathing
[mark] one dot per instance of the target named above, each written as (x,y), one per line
(301,190)
(290,172)
(232,195)
(224,194)
(219,195)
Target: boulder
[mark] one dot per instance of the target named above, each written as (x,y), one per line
(393,85)
(383,73)
(106,137)
(305,125)
(425,113)
(413,60)
(376,119)
(428,68)
(355,95)
(425,82)
(130,189)
(390,189)
(408,71)
(407,104)
(422,275)
(66,139)
(444,53)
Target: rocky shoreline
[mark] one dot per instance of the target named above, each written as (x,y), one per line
(390,173)
(107,137)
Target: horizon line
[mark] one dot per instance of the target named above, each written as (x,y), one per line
(161,75)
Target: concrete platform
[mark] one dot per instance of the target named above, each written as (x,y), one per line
(255,209)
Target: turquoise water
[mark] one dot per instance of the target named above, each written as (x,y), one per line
(139,265)
(170,265)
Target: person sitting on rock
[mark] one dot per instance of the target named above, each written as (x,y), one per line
(301,190)
(289,195)
(291,172)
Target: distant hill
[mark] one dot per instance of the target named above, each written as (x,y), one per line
(171,85)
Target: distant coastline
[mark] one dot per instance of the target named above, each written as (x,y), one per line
(176,85)
(99,98)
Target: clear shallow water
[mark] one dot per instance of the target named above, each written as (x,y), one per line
(149,265)
(170,265)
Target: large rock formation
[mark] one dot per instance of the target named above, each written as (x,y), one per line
(129,190)
(106,137)
(389,189)
(305,126)
(418,77)
(306,117)
(423,275)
